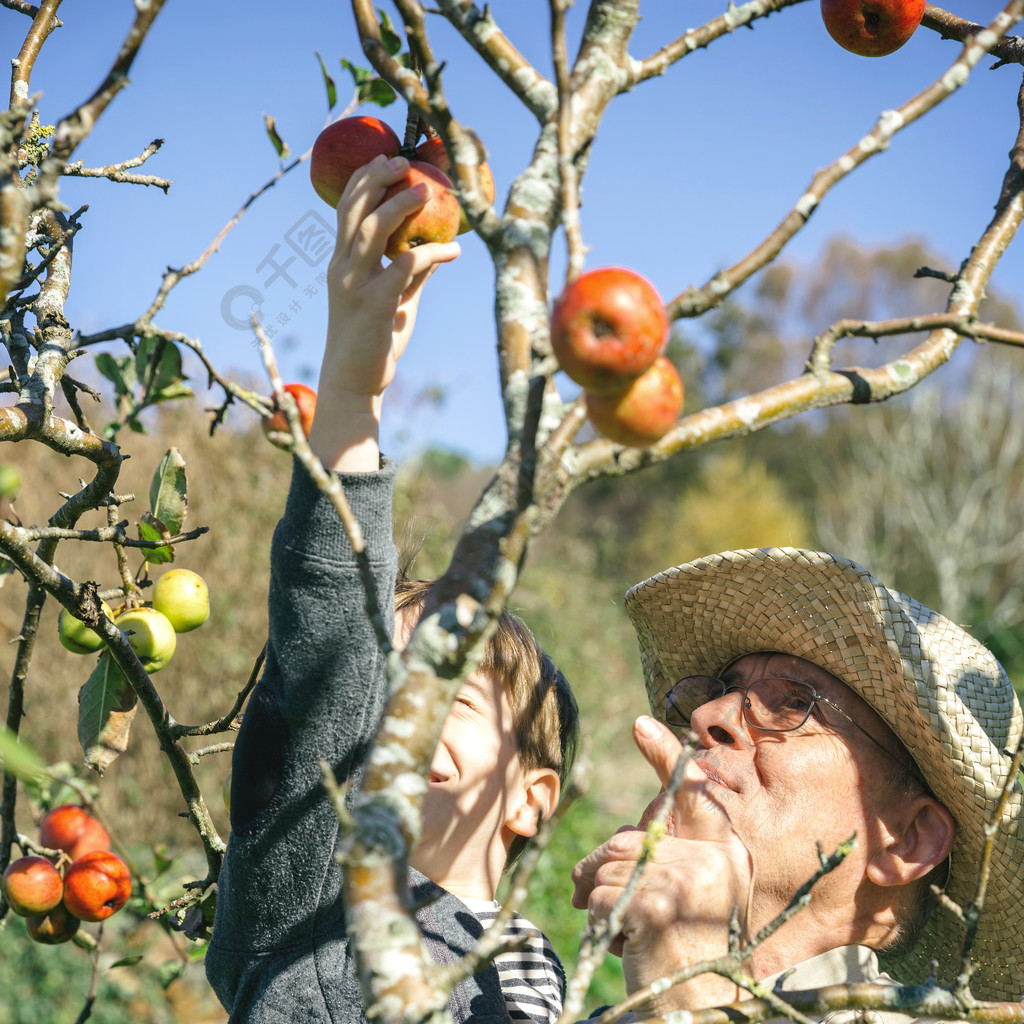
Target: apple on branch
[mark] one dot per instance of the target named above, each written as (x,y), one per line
(183,597)
(432,151)
(275,426)
(342,148)
(346,145)
(150,635)
(436,221)
(96,886)
(32,886)
(642,413)
(607,327)
(74,830)
(871,28)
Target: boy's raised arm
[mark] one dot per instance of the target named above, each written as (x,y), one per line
(279,949)
(371,312)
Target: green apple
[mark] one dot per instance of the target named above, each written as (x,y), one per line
(182,596)
(76,636)
(151,635)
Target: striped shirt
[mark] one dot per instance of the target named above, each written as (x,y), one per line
(532,980)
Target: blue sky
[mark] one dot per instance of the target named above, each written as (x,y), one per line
(689,171)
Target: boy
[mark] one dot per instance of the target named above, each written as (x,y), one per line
(458,847)
(279,951)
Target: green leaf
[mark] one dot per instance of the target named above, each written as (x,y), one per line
(332,89)
(162,860)
(150,528)
(391,40)
(359,75)
(168,492)
(127,961)
(279,144)
(168,368)
(147,345)
(114,370)
(19,758)
(370,88)
(172,391)
(52,788)
(106,706)
(379,92)
(169,971)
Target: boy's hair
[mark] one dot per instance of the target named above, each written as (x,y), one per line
(544,711)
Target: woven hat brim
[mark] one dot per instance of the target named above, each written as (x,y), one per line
(941,692)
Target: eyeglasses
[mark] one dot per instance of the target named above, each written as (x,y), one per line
(773,704)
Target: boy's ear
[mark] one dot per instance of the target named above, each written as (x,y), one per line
(540,792)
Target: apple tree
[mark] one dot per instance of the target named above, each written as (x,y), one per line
(552,447)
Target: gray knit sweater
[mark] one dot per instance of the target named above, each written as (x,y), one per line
(279,952)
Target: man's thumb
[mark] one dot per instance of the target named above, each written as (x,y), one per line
(658,744)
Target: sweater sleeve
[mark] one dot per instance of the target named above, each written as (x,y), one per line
(321,696)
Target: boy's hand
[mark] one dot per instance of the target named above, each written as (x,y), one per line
(371,312)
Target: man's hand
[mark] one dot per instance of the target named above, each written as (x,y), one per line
(681,909)
(371,313)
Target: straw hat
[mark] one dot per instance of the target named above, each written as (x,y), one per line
(940,691)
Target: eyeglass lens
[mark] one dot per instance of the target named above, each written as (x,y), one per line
(773,705)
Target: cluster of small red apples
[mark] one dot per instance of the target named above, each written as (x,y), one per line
(83,881)
(871,28)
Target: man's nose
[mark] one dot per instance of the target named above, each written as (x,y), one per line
(721,721)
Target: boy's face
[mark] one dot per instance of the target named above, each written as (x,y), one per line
(478,793)
(477,784)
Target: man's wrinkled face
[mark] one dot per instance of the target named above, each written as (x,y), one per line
(783,792)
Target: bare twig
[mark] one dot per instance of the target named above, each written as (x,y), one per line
(566,168)
(972,912)
(1009,50)
(21,6)
(228,721)
(215,748)
(44,21)
(117,172)
(698,38)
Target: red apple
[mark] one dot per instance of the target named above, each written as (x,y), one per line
(343,147)
(436,221)
(32,886)
(52,928)
(96,886)
(871,28)
(642,413)
(432,151)
(607,327)
(276,426)
(74,830)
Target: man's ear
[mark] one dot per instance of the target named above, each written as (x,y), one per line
(539,798)
(912,844)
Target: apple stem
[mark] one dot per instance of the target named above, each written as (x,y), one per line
(413,122)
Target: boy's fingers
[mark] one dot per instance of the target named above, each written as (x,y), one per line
(364,223)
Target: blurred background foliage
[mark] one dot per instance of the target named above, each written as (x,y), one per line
(926,491)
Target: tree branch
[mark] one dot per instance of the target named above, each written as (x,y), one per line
(1009,50)
(698,38)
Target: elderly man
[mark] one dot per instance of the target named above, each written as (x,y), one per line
(825,705)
